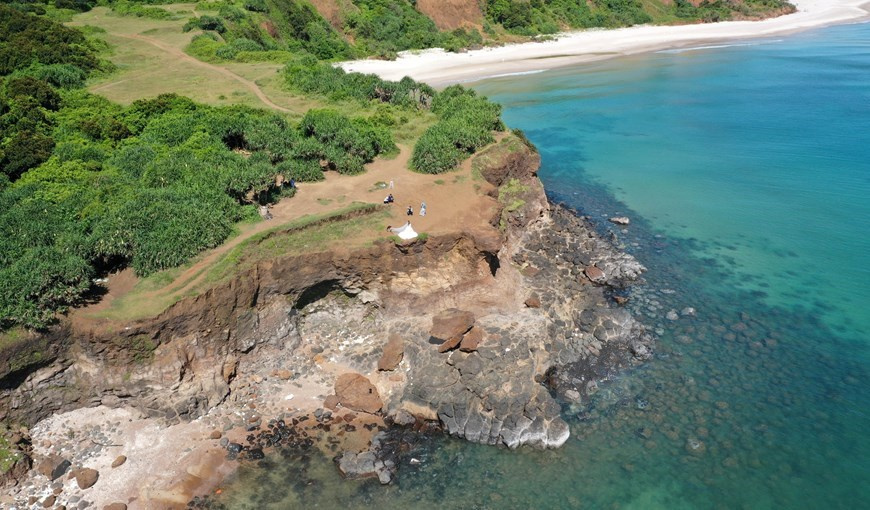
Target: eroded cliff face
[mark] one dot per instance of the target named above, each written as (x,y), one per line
(539,285)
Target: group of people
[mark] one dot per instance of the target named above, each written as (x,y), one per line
(410,211)
(389,199)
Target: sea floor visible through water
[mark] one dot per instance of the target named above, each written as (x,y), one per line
(746,180)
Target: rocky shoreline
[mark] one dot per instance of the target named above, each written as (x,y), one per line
(481,334)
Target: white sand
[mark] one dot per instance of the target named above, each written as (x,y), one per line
(438,67)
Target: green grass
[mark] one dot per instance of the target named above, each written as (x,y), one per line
(12,338)
(439,182)
(493,155)
(8,454)
(307,234)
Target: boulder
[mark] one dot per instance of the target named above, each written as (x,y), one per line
(123,458)
(594,274)
(356,392)
(449,325)
(53,466)
(86,477)
(115,506)
(393,352)
(471,340)
(620,220)
(49,501)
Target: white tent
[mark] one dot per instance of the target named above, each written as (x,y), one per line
(406,231)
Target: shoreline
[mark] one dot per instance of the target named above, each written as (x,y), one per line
(440,68)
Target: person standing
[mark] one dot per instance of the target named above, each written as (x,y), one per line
(410,211)
(423,209)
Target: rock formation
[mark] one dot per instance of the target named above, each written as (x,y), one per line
(464,330)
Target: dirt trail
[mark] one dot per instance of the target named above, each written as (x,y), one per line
(175,52)
(454,202)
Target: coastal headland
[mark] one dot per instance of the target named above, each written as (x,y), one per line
(440,68)
(460,331)
(322,330)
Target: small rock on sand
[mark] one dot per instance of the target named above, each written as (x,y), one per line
(356,392)
(471,340)
(594,274)
(118,461)
(115,506)
(86,477)
(394,350)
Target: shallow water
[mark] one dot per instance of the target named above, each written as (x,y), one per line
(746,172)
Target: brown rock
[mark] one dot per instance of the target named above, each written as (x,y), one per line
(450,344)
(534,301)
(215,434)
(451,324)
(620,300)
(123,458)
(393,352)
(53,466)
(471,340)
(86,477)
(530,271)
(331,402)
(356,392)
(594,274)
(228,370)
(49,501)
(115,506)
(282,374)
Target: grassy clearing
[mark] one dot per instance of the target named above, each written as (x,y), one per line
(354,225)
(305,235)
(146,70)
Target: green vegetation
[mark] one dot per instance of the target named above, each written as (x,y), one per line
(126,8)
(309,76)
(384,27)
(305,235)
(88,184)
(466,124)
(9,455)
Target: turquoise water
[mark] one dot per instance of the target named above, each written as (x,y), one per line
(746,172)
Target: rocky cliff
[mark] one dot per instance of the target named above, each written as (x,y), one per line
(482,332)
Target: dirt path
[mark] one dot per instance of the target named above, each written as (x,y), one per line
(177,53)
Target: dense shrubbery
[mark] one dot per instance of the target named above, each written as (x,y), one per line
(309,76)
(384,27)
(127,8)
(550,16)
(151,185)
(86,184)
(466,124)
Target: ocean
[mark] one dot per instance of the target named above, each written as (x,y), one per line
(745,170)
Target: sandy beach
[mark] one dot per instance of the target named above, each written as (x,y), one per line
(440,68)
